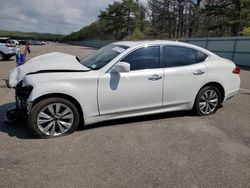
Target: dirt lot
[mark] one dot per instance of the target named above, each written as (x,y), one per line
(167,150)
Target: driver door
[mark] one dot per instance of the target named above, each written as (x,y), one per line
(139,89)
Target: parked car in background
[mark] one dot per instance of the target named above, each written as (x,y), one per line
(123,79)
(36,42)
(13,41)
(33,42)
(7,49)
(23,42)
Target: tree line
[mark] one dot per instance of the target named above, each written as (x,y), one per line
(31,35)
(133,20)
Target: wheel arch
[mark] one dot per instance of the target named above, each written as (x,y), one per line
(218,86)
(65,96)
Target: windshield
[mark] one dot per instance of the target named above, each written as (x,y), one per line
(103,56)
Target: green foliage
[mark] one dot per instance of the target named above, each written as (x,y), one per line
(114,18)
(130,20)
(229,16)
(121,18)
(137,34)
(246,31)
(116,22)
(93,31)
(31,35)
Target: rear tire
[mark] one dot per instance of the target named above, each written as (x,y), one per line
(53,117)
(7,57)
(2,56)
(207,101)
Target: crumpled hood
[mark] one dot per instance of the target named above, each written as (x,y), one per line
(50,62)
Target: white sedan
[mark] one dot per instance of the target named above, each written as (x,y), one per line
(123,79)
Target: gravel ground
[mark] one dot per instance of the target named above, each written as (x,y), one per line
(167,150)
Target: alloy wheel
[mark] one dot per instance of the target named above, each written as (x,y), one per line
(208,102)
(55,119)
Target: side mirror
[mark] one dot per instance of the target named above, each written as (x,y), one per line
(121,67)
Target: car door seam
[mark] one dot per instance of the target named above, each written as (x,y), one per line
(163,82)
(98,106)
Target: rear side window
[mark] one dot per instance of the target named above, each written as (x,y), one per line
(5,41)
(175,56)
(144,58)
(201,56)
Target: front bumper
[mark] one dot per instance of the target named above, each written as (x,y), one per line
(21,96)
(21,103)
(19,113)
(21,99)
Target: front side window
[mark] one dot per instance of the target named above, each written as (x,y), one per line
(175,56)
(143,58)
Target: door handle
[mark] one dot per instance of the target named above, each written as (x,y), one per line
(198,72)
(155,77)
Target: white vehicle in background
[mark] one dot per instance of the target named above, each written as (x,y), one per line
(13,41)
(123,79)
(7,49)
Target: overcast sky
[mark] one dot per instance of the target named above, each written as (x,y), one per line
(52,16)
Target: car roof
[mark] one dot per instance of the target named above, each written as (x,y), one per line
(152,42)
(131,44)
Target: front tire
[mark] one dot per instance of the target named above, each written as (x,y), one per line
(207,101)
(53,117)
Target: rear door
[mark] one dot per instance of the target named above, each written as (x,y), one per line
(184,73)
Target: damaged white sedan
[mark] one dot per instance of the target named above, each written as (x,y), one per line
(124,79)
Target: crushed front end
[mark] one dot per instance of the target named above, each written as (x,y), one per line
(20,111)
(22,95)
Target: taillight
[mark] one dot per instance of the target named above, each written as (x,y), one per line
(8,45)
(236,70)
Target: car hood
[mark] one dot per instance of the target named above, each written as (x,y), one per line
(52,62)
